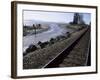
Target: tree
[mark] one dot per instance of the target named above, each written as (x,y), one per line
(34,27)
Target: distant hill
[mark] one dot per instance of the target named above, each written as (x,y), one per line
(31,22)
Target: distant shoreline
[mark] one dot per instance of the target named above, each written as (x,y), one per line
(37,31)
(33,32)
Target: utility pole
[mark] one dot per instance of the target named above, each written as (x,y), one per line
(34,27)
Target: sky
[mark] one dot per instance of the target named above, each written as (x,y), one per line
(62,17)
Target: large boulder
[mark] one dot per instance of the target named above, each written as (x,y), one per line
(31,48)
(43,44)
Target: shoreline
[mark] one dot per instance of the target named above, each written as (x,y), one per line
(32,32)
(45,52)
(45,35)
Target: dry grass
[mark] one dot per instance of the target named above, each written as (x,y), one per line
(39,58)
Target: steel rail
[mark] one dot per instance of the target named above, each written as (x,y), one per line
(57,59)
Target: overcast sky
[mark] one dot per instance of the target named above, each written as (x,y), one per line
(61,17)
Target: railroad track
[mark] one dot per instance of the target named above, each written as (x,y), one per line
(76,54)
(57,54)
